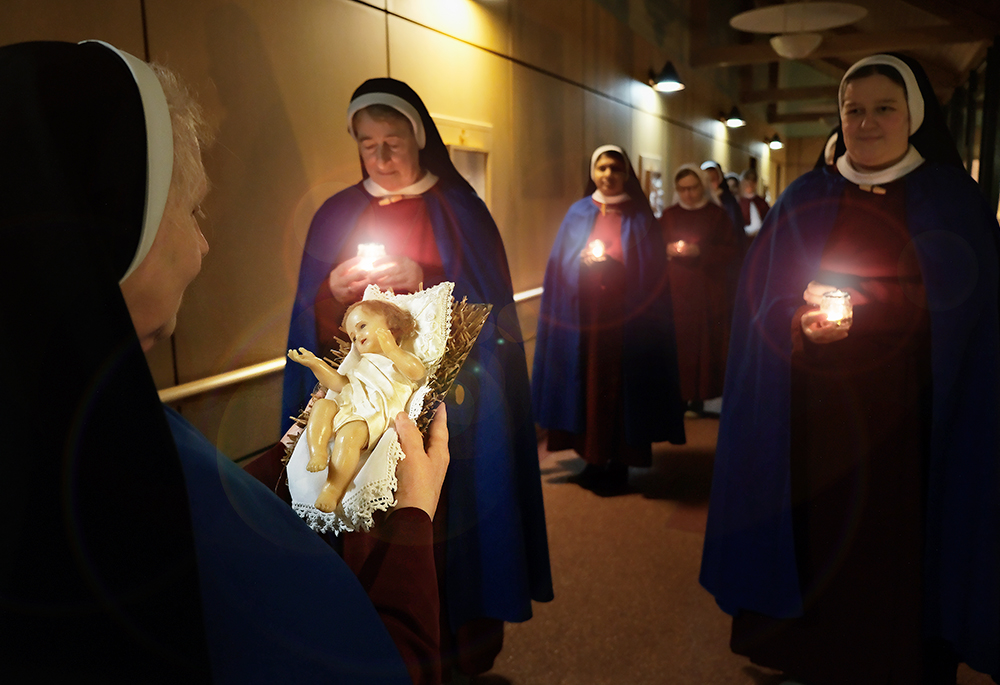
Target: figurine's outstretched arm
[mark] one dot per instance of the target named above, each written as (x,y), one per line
(324,373)
(407,362)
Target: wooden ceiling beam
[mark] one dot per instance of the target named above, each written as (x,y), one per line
(969,16)
(828,67)
(788,94)
(839,45)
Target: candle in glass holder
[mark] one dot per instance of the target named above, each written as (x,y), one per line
(369,252)
(836,304)
(680,246)
(596,249)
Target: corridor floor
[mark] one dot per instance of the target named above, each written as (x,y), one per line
(628,607)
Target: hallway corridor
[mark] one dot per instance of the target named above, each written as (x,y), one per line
(628,608)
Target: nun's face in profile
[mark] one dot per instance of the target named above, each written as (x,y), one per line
(876,122)
(153,292)
(610,175)
(388,149)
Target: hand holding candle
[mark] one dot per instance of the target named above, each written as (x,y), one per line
(594,252)
(368,253)
(347,281)
(833,316)
(682,248)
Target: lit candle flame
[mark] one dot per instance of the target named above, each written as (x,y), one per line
(680,246)
(836,304)
(369,252)
(596,249)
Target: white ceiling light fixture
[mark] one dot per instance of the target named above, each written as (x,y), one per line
(796,45)
(796,24)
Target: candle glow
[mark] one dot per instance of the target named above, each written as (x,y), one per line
(369,252)
(836,304)
(680,246)
(596,248)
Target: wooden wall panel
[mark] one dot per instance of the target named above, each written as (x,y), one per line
(549,81)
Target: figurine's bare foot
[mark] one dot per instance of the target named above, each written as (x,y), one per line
(329,498)
(317,462)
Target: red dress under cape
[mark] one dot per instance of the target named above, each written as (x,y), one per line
(860,435)
(700,291)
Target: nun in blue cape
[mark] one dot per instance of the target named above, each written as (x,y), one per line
(756,546)
(610,317)
(497,551)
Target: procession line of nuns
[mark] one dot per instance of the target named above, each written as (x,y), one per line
(854,526)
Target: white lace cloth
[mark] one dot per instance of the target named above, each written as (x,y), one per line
(374,487)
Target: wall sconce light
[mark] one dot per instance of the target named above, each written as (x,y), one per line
(775,143)
(734,119)
(667,81)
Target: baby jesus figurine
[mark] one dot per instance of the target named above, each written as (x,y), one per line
(372,391)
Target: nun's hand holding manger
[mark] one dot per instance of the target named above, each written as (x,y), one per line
(421,475)
(447,330)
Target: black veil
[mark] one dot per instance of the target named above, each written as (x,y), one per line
(932,139)
(633,188)
(98,576)
(434,156)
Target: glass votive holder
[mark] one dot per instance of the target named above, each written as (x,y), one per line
(836,304)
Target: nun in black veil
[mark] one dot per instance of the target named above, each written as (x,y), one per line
(854,525)
(133,551)
(433,227)
(605,380)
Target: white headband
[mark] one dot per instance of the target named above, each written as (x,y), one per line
(159,150)
(600,151)
(914,98)
(389,100)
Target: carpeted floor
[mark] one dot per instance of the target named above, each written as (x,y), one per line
(628,607)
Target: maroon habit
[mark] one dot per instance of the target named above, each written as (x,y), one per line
(701,296)
(860,424)
(602,290)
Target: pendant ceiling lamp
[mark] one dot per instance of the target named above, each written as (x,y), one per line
(734,119)
(796,25)
(667,81)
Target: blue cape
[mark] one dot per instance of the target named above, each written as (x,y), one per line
(498,559)
(749,556)
(280,605)
(650,385)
